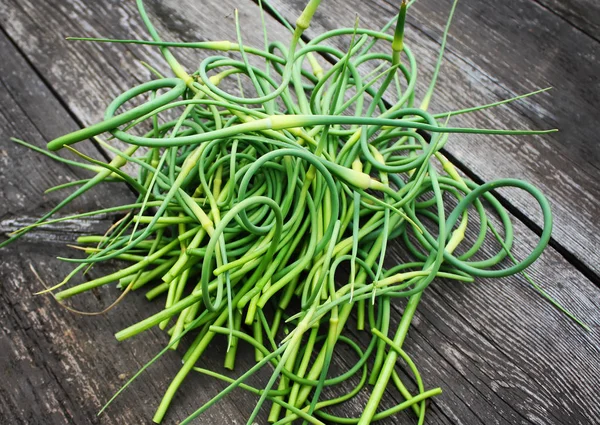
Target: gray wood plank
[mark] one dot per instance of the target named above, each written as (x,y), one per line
(109,69)
(505,343)
(489,372)
(583,14)
(497,50)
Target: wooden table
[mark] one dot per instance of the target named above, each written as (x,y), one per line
(500,352)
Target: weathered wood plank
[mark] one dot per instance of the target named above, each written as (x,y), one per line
(583,14)
(109,69)
(495,387)
(497,50)
(501,338)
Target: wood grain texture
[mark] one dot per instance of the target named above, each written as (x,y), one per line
(497,50)
(109,69)
(500,353)
(582,14)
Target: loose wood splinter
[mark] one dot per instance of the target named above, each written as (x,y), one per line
(257,184)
